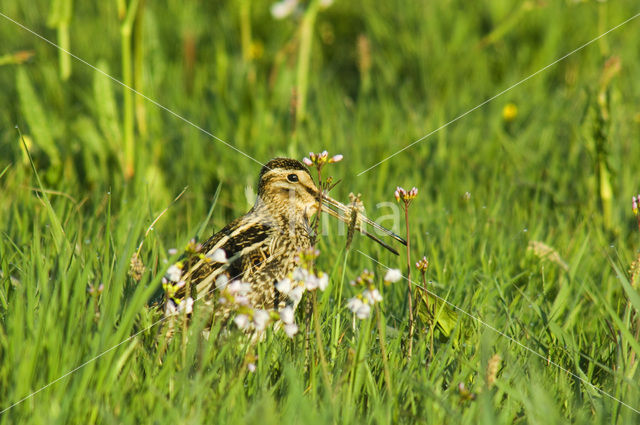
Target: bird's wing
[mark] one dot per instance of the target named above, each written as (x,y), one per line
(244,244)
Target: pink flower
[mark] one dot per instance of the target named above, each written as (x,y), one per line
(404,196)
(320,159)
(423,264)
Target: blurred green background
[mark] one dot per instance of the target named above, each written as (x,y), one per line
(541,249)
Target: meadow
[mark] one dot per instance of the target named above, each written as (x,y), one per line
(154,134)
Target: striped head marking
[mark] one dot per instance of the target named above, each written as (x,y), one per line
(286,185)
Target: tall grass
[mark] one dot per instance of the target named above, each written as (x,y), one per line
(380,75)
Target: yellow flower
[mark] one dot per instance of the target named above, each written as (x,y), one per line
(509,112)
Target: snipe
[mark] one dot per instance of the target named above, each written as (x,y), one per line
(260,247)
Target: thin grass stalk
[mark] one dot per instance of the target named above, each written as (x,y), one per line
(65,43)
(335,329)
(358,358)
(304,58)
(246,40)
(383,349)
(60,18)
(138,56)
(318,330)
(128,118)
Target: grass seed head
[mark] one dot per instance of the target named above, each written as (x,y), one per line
(136,267)
(493,367)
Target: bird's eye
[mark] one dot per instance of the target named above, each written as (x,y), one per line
(292,178)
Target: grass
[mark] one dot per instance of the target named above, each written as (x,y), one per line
(380,76)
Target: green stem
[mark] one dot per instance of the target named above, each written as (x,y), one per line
(319,343)
(426,303)
(141,116)
(127,78)
(65,44)
(410,297)
(60,18)
(335,331)
(383,349)
(304,57)
(246,39)
(357,359)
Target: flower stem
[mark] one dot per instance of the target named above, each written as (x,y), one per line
(410,297)
(316,223)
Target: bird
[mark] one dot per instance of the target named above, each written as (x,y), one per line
(260,247)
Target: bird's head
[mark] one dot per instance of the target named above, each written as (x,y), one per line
(287,189)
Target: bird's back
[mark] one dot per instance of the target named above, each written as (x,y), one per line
(259,250)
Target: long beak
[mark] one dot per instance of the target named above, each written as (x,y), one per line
(344,213)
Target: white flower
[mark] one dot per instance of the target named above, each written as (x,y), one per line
(393,275)
(242,321)
(238,287)
(260,319)
(291,329)
(373,296)
(334,158)
(364,311)
(284,286)
(218,256)
(242,300)
(300,275)
(186,305)
(311,283)
(323,281)
(251,367)
(172,251)
(283,8)
(354,304)
(170,309)
(286,315)
(221,281)
(359,308)
(324,4)
(296,294)
(173,273)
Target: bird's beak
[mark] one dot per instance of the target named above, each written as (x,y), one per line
(344,213)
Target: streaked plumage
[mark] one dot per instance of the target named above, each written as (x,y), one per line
(261,245)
